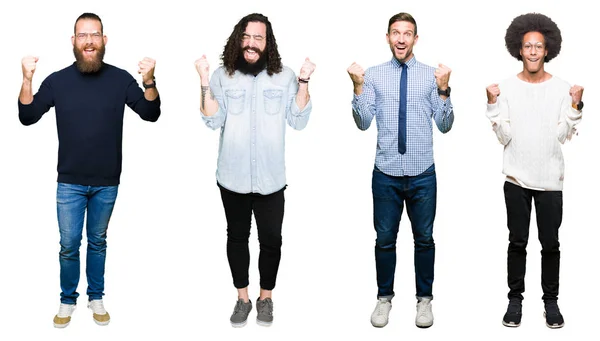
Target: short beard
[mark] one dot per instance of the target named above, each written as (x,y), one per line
(254,69)
(92,66)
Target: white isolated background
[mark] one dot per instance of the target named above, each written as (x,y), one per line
(167,276)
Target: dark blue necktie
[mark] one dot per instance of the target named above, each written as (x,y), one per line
(402,112)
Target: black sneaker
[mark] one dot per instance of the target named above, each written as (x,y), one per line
(554,318)
(512,318)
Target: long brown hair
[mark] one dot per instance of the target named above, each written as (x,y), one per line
(233,47)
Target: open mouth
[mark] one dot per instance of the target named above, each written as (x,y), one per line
(88,51)
(400,48)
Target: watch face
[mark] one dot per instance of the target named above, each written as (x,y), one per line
(580,105)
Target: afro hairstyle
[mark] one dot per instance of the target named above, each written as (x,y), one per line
(533,22)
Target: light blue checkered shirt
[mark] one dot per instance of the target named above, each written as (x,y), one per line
(381,98)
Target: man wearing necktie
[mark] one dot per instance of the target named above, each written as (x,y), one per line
(404,95)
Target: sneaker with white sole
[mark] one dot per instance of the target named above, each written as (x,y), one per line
(424,317)
(380,316)
(101,316)
(554,318)
(514,312)
(240,313)
(63,318)
(265,312)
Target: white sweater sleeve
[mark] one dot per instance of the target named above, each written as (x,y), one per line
(498,115)
(569,118)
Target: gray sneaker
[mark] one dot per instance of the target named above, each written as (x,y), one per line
(265,312)
(240,313)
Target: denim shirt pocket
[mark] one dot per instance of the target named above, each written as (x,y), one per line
(235,101)
(273,100)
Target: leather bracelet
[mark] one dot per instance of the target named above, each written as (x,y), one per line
(302,80)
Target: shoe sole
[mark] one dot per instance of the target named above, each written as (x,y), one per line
(424,326)
(238,325)
(264,323)
(61,325)
(554,326)
(102,323)
(510,324)
(379,325)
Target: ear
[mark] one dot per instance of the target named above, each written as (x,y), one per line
(416,39)
(73,40)
(387,37)
(105,38)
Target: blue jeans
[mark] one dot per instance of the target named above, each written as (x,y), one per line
(71,204)
(389,195)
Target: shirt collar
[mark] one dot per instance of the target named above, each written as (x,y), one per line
(412,61)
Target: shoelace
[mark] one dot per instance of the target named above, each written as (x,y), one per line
(269,305)
(239,307)
(380,306)
(422,309)
(98,307)
(552,309)
(64,310)
(514,307)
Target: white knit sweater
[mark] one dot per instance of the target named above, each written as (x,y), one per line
(532,120)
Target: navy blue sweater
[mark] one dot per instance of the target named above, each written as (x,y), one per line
(89,119)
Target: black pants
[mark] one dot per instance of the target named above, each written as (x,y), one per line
(548,209)
(268,212)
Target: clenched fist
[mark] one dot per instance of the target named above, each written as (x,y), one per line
(202,67)
(28,65)
(492,91)
(576,93)
(307,69)
(442,76)
(146,69)
(357,74)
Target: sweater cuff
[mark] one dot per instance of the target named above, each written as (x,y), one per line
(492,111)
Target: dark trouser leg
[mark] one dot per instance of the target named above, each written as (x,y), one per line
(268,211)
(518,212)
(238,212)
(548,207)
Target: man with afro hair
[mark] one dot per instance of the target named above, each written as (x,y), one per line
(532,114)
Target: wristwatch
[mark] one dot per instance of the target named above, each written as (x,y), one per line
(150,86)
(579,106)
(444,92)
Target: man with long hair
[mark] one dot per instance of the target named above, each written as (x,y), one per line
(89,97)
(250,98)
(532,114)
(405,96)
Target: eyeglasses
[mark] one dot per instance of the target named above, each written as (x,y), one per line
(257,38)
(538,46)
(94,35)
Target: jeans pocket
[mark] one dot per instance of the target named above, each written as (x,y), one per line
(273,100)
(235,101)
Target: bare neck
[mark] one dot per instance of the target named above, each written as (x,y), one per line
(534,77)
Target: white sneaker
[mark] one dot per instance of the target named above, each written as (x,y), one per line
(63,318)
(101,316)
(380,315)
(424,317)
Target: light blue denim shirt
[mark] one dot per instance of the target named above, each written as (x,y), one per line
(253,112)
